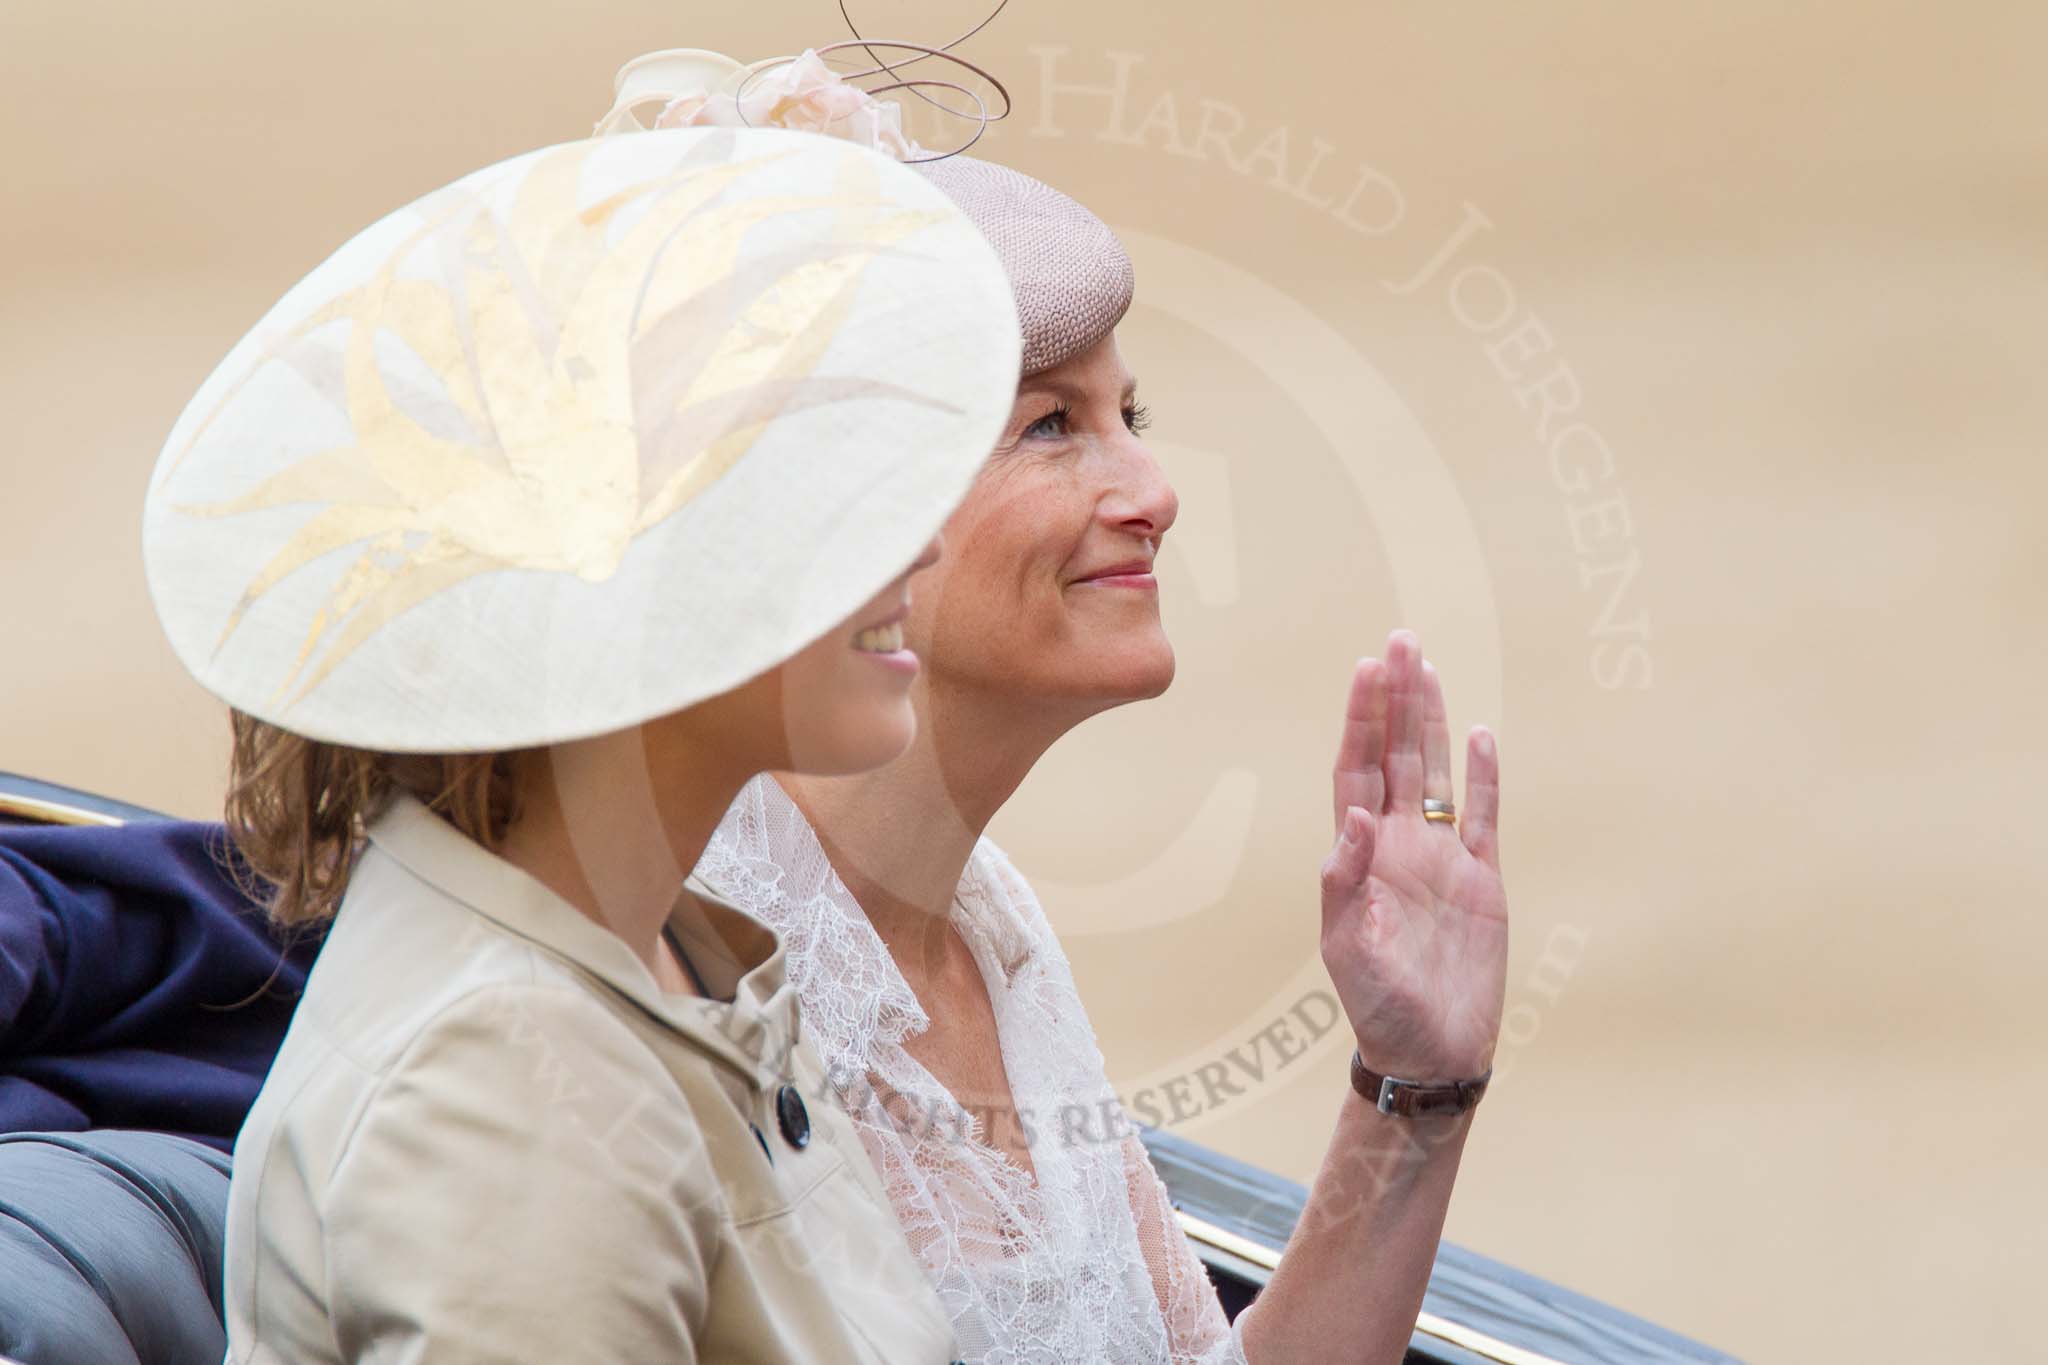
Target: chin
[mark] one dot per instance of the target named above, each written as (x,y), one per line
(1150,660)
(854,743)
(1134,673)
(1154,676)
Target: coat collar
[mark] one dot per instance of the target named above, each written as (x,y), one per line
(753,1029)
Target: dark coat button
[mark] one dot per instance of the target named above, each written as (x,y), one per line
(795,1119)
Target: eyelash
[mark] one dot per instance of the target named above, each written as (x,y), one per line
(1136,417)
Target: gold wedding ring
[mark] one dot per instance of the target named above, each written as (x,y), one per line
(1440,811)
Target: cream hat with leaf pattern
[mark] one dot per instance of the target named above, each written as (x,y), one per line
(582,439)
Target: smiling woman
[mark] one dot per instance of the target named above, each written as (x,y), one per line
(452,532)
(1050,587)
(944,1006)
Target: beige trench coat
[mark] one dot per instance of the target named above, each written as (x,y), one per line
(489,1136)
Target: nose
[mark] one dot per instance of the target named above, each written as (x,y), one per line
(1143,502)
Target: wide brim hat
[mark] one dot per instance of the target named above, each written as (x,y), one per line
(1070,277)
(582,439)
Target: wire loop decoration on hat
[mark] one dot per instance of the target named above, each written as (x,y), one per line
(696,88)
(943,50)
(980,114)
(987,19)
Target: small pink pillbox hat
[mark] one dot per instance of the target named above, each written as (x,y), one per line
(1071,276)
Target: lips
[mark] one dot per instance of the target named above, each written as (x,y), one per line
(1130,568)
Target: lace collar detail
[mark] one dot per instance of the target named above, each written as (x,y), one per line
(766,856)
(1031,1271)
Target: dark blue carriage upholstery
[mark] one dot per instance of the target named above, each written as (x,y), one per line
(110,1247)
(139,986)
(142,997)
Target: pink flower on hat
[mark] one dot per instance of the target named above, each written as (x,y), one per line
(805,95)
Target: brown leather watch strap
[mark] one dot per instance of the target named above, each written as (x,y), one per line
(1416,1099)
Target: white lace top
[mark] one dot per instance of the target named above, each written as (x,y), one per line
(1084,1264)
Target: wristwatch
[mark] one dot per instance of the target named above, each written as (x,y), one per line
(1416,1099)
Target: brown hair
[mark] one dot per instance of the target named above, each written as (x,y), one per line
(297,808)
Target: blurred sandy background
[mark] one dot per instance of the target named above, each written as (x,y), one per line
(1764,681)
